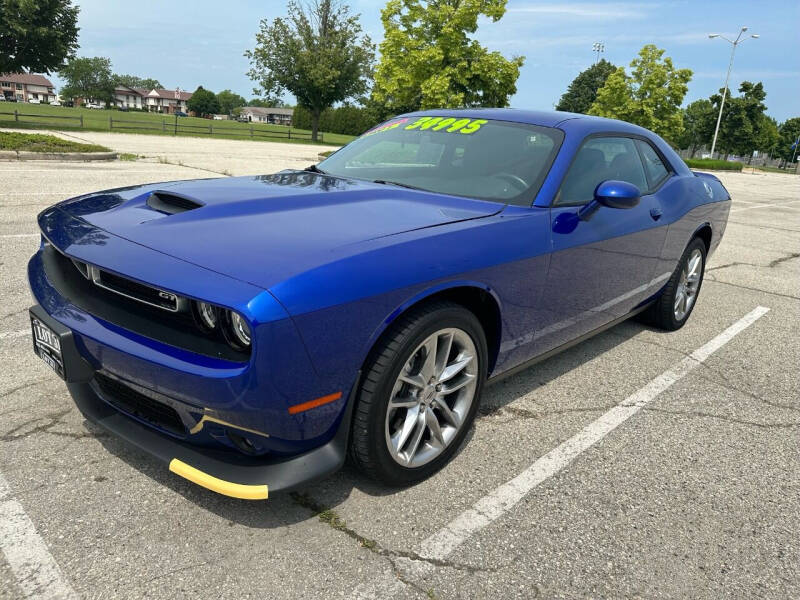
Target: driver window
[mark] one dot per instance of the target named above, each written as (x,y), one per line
(598,160)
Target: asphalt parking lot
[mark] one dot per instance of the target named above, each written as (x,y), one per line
(690,488)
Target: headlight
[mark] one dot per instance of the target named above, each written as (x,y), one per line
(239,329)
(207,313)
(222,322)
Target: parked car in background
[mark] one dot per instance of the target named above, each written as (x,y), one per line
(55,103)
(360,305)
(180,113)
(93,105)
(34,101)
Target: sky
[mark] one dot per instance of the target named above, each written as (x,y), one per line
(202,43)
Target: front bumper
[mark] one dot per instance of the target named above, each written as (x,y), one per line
(222,471)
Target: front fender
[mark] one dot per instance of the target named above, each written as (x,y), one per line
(421,296)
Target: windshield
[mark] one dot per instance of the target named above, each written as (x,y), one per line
(478,158)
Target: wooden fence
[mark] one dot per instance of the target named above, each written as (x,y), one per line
(172,126)
(60,118)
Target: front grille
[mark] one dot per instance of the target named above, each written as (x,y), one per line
(131,289)
(178,329)
(82,267)
(128,400)
(137,291)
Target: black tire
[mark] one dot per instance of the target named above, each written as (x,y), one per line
(368,446)
(662,314)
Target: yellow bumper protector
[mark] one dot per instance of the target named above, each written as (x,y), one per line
(226,488)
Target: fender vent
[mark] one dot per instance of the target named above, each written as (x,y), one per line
(171,204)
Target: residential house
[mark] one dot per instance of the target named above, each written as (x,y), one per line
(278,116)
(129,97)
(167,101)
(27,86)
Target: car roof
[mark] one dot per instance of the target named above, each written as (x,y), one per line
(574,122)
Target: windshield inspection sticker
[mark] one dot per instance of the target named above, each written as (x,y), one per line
(448,124)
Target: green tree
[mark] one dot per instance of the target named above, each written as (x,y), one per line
(428,59)
(651,96)
(132,81)
(228,100)
(37,35)
(582,92)
(203,102)
(699,119)
(318,53)
(788,132)
(742,119)
(267,102)
(767,136)
(88,78)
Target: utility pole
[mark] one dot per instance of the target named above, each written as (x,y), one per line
(733,44)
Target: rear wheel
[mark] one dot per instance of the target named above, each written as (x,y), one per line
(672,309)
(419,394)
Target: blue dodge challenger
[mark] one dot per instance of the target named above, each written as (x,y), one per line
(252,332)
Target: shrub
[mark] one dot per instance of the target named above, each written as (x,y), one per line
(44,143)
(713,164)
(347,120)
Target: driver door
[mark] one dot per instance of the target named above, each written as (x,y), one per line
(601,268)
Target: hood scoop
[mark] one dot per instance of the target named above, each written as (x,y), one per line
(171,203)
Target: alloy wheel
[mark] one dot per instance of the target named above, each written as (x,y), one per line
(688,285)
(431,397)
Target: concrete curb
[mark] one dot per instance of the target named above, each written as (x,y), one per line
(63,156)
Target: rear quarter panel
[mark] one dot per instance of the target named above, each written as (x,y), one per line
(694,202)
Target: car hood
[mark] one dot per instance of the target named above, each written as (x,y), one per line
(265,229)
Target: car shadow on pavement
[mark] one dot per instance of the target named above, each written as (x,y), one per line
(283,509)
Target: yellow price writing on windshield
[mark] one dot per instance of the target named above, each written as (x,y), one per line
(447,124)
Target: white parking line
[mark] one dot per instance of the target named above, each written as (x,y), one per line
(37,572)
(733,210)
(498,502)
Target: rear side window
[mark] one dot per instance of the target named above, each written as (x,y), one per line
(653,165)
(598,160)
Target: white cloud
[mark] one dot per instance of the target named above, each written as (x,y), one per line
(594,10)
(640,39)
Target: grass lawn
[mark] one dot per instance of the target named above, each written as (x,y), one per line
(713,164)
(38,116)
(767,169)
(32,142)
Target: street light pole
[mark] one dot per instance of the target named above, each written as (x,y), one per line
(733,44)
(598,47)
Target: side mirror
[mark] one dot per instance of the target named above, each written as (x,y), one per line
(613,194)
(617,194)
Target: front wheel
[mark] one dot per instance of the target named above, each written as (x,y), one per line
(672,309)
(419,394)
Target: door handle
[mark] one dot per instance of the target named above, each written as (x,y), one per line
(656,213)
